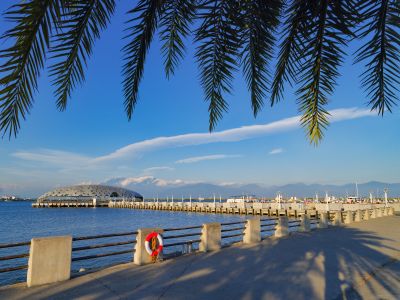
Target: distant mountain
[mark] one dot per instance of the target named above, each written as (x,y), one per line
(150,187)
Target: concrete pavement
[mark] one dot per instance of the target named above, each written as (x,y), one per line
(357,261)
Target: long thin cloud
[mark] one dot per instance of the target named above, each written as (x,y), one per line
(189,139)
(195,159)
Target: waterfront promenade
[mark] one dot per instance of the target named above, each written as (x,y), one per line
(356,261)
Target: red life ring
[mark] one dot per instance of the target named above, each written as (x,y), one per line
(147,244)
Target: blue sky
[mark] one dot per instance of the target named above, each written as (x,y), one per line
(92,141)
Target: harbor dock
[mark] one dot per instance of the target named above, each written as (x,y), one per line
(356,261)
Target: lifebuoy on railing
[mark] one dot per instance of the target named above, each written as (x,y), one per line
(152,250)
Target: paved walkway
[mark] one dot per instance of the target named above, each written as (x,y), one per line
(359,261)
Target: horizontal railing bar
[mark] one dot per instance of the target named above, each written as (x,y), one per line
(268,219)
(91,237)
(103,245)
(14,256)
(183,228)
(181,235)
(101,255)
(294,221)
(266,230)
(232,235)
(233,223)
(296,225)
(14,269)
(182,243)
(232,229)
(267,225)
(14,245)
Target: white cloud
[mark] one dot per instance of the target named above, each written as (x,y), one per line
(157,169)
(275,151)
(195,159)
(71,160)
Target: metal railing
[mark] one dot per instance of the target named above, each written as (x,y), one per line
(181,239)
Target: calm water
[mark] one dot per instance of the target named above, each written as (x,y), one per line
(20,222)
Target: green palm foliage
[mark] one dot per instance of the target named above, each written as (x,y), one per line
(311,39)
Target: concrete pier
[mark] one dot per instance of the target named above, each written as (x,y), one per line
(356,261)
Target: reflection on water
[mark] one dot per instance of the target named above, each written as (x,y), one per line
(20,222)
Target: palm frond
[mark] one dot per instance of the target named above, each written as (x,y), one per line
(24,60)
(381,54)
(323,54)
(80,26)
(217,55)
(142,25)
(178,15)
(261,19)
(289,58)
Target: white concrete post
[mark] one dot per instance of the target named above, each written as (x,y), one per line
(323,221)
(210,237)
(373,213)
(365,214)
(337,221)
(282,228)
(349,217)
(49,260)
(305,223)
(357,216)
(379,212)
(252,231)
(386,211)
(391,211)
(141,257)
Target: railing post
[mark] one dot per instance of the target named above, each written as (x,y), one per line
(210,237)
(357,217)
(385,211)
(282,228)
(49,260)
(305,223)
(349,217)
(337,221)
(391,211)
(373,213)
(252,231)
(323,220)
(366,215)
(379,213)
(141,257)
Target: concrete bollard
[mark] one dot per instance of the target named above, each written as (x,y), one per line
(282,228)
(386,211)
(337,220)
(49,260)
(357,217)
(373,213)
(323,220)
(391,211)
(305,223)
(349,217)
(366,214)
(252,231)
(141,257)
(210,237)
(378,212)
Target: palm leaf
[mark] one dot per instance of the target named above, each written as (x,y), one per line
(259,31)
(217,55)
(80,26)
(24,60)
(294,32)
(178,15)
(331,23)
(142,25)
(381,54)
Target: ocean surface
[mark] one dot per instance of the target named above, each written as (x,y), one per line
(19,222)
